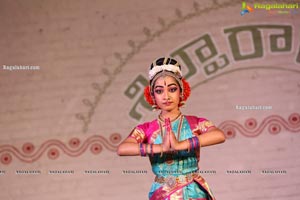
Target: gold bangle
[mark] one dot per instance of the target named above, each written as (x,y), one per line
(161,150)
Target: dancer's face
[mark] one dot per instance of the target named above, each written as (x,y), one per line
(167,93)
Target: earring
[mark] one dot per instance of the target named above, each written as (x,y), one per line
(154,108)
(182,102)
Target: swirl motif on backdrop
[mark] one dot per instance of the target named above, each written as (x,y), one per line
(275,124)
(53,148)
(75,147)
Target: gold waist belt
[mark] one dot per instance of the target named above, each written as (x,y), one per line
(174,180)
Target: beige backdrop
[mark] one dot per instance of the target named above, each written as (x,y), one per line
(60,124)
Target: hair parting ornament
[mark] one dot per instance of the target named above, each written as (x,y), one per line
(166,67)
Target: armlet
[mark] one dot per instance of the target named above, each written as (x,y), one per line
(138,135)
(205,125)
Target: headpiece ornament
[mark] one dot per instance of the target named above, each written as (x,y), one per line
(166,67)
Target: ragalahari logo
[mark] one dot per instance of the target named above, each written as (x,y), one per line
(246,9)
(279,8)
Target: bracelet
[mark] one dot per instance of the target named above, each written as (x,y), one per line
(196,140)
(142,151)
(191,143)
(146,151)
(195,143)
(161,150)
(145,148)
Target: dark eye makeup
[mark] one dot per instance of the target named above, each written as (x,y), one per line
(173,89)
(158,91)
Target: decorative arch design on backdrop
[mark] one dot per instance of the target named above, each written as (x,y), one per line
(136,47)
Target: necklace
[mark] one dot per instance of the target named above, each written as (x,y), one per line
(162,119)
